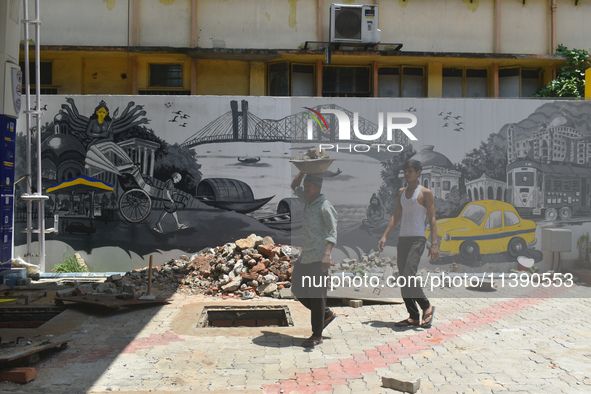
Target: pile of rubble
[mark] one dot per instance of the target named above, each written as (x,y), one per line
(367,264)
(249,267)
(312,154)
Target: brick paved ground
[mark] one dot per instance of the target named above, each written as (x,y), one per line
(539,344)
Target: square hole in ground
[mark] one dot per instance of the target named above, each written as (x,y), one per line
(245,316)
(27,317)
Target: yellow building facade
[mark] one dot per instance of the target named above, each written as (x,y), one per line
(450,48)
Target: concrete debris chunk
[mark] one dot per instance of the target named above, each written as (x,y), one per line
(80,262)
(401,385)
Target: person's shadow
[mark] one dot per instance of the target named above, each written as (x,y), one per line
(278,340)
(275,339)
(390,325)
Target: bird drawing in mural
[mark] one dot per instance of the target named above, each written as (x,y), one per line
(168,104)
(446,117)
(183,125)
(177,112)
(174,119)
(185,116)
(459,129)
(411,109)
(458,117)
(459,123)
(446,125)
(440,114)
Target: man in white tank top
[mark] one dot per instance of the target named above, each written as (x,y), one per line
(415,205)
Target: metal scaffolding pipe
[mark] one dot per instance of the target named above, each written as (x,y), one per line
(37,196)
(41,208)
(28,174)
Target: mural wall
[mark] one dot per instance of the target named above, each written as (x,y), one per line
(130,176)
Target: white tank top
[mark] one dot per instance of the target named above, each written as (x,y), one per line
(414,215)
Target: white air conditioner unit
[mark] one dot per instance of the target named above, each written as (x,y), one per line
(354,23)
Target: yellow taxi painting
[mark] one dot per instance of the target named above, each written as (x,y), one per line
(485,227)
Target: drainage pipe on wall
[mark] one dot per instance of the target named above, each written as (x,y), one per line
(552,26)
(319,4)
(497,26)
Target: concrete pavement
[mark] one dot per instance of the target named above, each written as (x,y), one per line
(539,343)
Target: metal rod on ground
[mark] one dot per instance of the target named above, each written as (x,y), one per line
(148,296)
(150,276)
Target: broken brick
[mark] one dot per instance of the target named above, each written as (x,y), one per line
(18,375)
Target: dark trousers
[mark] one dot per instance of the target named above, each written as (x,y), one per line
(410,250)
(311,293)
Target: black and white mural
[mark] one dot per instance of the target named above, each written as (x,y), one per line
(132,176)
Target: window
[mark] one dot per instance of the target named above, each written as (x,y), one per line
(412,82)
(517,82)
(511,219)
(165,79)
(345,81)
(45,76)
(286,79)
(401,82)
(476,83)
(453,82)
(278,79)
(302,80)
(475,212)
(459,82)
(494,220)
(162,92)
(389,82)
(524,179)
(530,82)
(166,76)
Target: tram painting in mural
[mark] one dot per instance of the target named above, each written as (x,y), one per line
(545,181)
(175,175)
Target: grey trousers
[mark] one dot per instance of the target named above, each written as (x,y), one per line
(410,250)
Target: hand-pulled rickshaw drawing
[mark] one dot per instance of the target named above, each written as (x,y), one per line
(135,203)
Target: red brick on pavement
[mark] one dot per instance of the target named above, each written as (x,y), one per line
(18,375)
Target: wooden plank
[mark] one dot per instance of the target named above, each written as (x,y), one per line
(366,294)
(111,301)
(14,351)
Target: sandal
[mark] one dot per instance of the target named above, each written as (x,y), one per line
(311,342)
(329,320)
(426,316)
(405,323)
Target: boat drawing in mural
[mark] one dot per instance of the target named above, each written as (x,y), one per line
(249,160)
(288,215)
(229,194)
